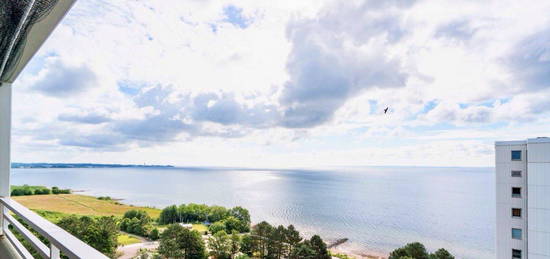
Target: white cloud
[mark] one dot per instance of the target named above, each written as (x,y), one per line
(285,82)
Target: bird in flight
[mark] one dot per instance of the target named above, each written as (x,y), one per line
(386,110)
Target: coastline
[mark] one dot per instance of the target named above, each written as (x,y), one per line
(346,248)
(357,253)
(91,205)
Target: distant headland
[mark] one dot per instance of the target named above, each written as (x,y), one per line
(80,165)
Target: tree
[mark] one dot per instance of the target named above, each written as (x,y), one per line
(179,242)
(235,243)
(398,253)
(197,212)
(260,234)
(139,214)
(135,222)
(304,251)
(232,223)
(243,216)
(183,214)
(442,254)
(415,250)
(100,233)
(293,238)
(220,246)
(240,213)
(247,245)
(217,213)
(276,243)
(217,227)
(320,248)
(168,215)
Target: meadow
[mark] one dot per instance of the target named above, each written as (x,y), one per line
(80,205)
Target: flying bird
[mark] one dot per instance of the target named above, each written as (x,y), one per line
(386,110)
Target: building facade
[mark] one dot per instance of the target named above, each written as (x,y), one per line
(522,170)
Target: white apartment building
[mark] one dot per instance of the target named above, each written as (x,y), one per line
(523,199)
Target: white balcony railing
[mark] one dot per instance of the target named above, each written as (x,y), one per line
(60,240)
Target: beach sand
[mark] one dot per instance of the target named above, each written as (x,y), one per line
(357,253)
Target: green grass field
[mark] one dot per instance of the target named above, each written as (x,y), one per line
(51,216)
(124,239)
(200,228)
(79,205)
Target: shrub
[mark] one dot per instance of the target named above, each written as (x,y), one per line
(17,192)
(154,234)
(135,222)
(138,214)
(29,190)
(56,190)
(42,191)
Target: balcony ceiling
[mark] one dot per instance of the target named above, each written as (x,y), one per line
(24,26)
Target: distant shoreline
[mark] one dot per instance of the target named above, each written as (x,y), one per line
(83,165)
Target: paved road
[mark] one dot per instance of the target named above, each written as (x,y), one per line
(129,251)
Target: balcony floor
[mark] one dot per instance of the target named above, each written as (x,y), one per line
(6,250)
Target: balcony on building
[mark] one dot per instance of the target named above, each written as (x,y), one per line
(25,26)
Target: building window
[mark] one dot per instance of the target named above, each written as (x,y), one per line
(516,233)
(516,155)
(516,173)
(516,212)
(516,254)
(516,192)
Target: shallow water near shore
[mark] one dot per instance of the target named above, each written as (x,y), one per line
(377,208)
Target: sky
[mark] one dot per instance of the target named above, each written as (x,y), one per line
(257,83)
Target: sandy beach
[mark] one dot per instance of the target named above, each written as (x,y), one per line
(356,252)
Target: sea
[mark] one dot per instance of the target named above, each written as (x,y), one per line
(377,208)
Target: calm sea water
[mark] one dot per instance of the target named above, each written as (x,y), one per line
(377,208)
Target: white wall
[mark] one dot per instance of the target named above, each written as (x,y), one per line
(5,139)
(539,200)
(5,129)
(504,183)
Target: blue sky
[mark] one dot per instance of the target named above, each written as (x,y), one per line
(286,83)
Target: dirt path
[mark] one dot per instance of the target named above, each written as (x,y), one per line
(130,251)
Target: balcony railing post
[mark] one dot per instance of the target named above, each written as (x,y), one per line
(54,252)
(5,139)
(5,222)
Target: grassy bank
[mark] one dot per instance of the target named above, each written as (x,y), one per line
(80,205)
(125,239)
